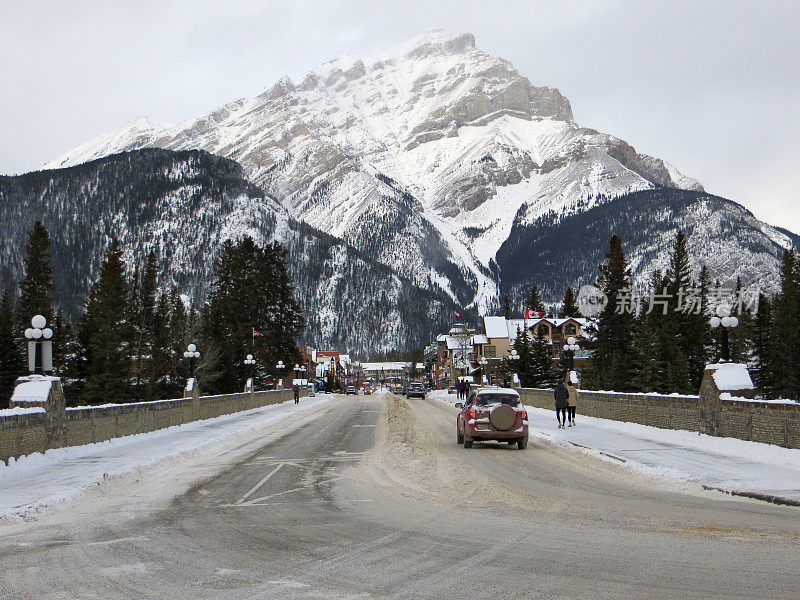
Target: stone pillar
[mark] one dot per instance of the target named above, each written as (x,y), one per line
(721,382)
(44,391)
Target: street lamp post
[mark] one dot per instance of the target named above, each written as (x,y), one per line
(513,358)
(297,369)
(192,354)
(724,319)
(483,362)
(571,347)
(250,361)
(279,367)
(40,346)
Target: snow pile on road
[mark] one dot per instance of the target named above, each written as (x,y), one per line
(38,481)
(727,463)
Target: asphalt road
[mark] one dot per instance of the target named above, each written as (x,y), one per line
(371,498)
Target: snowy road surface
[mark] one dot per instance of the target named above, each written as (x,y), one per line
(42,481)
(726,463)
(370,497)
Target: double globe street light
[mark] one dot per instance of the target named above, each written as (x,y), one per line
(280,367)
(724,319)
(40,346)
(571,347)
(483,362)
(192,354)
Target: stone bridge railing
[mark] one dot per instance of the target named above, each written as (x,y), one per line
(44,423)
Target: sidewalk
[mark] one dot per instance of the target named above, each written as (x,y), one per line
(725,463)
(39,480)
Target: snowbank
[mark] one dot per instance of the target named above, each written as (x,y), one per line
(727,463)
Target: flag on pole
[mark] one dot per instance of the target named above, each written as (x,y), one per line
(256,333)
(532,314)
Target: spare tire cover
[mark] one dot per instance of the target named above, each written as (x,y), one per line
(503,417)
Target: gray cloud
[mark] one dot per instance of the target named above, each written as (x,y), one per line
(710,86)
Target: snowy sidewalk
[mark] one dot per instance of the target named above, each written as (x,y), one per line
(43,480)
(726,463)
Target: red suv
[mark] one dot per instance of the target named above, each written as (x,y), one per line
(492,414)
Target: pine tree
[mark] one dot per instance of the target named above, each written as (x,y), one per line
(522,366)
(11,362)
(648,371)
(741,337)
(506,307)
(541,372)
(251,290)
(534,302)
(785,334)
(36,287)
(568,307)
(612,355)
(106,333)
(763,360)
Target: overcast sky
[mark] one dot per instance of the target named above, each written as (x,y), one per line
(713,87)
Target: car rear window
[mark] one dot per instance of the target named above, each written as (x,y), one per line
(487,399)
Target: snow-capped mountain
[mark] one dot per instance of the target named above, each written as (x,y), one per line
(426,157)
(184,205)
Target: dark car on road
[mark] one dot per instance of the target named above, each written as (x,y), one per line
(415,390)
(492,414)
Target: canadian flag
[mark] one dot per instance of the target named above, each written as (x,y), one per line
(532,314)
(255,333)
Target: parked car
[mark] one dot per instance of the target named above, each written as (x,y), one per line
(492,413)
(416,390)
(312,391)
(351,390)
(452,389)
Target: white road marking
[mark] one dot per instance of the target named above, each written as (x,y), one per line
(266,477)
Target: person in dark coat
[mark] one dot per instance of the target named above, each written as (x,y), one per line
(562,402)
(296,394)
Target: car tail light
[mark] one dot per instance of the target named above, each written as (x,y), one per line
(524,415)
(472,412)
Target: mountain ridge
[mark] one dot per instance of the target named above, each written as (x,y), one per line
(425,157)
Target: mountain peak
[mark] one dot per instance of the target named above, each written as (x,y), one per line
(431,41)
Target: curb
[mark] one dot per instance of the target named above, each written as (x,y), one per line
(756,496)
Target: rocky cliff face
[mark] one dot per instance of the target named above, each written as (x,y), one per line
(426,157)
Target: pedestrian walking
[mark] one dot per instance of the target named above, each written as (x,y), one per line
(562,403)
(572,390)
(296,394)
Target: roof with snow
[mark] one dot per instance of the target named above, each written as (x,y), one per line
(495,327)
